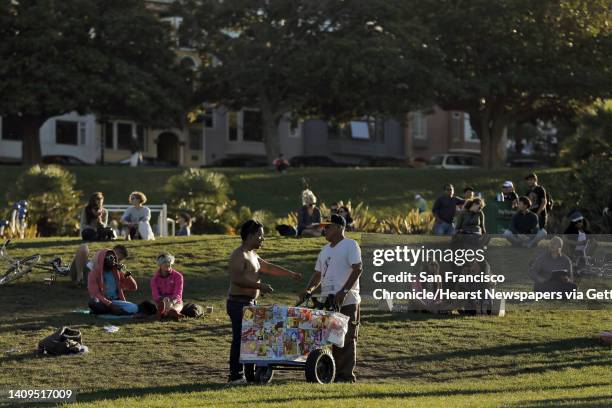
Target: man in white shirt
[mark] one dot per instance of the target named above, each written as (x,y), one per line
(337,272)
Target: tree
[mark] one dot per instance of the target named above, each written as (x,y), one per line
(517,60)
(108,57)
(331,58)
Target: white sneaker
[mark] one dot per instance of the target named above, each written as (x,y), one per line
(237,381)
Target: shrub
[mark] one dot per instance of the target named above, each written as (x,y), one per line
(205,196)
(411,223)
(53,200)
(363,220)
(589,184)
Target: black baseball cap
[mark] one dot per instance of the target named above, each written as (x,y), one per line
(336,220)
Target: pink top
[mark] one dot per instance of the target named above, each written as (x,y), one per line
(171,286)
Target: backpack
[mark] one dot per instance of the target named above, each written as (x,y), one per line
(64,341)
(550,202)
(192,310)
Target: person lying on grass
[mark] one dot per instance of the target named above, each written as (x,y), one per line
(167,288)
(106,283)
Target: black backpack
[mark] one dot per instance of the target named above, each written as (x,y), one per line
(64,341)
(192,310)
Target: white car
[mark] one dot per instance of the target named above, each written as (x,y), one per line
(454,161)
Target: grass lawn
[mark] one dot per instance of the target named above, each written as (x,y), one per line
(532,358)
(385,190)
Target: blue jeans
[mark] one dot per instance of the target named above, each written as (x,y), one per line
(234,311)
(443,228)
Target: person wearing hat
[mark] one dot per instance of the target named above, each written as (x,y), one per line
(167,288)
(420,203)
(552,271)
(509,194)
(576,234)
(337,272)
(539,198)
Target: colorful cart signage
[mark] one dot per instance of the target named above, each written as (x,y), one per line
(289,333)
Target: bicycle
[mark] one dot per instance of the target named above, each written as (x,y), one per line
(17,268)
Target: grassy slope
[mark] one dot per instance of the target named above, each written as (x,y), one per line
(385,190)
(528,358)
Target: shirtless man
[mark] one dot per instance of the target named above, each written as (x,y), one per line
(245,269)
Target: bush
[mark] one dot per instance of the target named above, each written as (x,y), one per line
(589,184)
(53,201)
(205,196)
(411,223)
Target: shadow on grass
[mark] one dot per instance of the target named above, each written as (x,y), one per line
(604,401)
(139,392)
(113,394)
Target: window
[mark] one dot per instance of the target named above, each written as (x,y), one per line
(109,139)
(232,126)
(124,136)
(66,132)
(207,117)
(195,139)
(469,133)
(252,126)
(10,130)
(418,125)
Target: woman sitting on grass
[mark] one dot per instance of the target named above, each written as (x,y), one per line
(167,288)
(93,218)
(470,225)
(136,218)
(106,283)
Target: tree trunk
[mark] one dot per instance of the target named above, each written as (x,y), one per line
(407,140)
(271,136)
(491,134)
(29,129)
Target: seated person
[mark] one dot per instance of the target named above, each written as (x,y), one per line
(524,228)
(81,265)
(280,163)
(93,218)
(106,283)
(471,221)
(433,270)
(552,271)
(483,306)
(508,193)
(344,212)
(185,222)
(136,214)
(167,288)
(576,236)
(309,216)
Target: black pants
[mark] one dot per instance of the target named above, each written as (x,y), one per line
(346,357)
(234,310)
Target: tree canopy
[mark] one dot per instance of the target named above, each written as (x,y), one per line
(109,57)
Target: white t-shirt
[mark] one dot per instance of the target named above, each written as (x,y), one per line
(336,265)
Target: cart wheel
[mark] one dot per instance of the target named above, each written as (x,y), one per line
(320,367)
(249,372)
(263,375)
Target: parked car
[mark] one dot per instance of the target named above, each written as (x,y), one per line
(240,161)
(311,161)
(63,160)
(454,161)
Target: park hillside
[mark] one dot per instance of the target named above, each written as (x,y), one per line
(531,357)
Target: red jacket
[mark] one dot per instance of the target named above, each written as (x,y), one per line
(95,280)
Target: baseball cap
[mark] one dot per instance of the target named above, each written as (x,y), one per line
(576,216)
(508,183)
(335,219)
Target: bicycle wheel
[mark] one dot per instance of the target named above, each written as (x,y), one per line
(19,268)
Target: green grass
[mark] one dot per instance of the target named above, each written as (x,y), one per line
(532,358)
(385,190)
